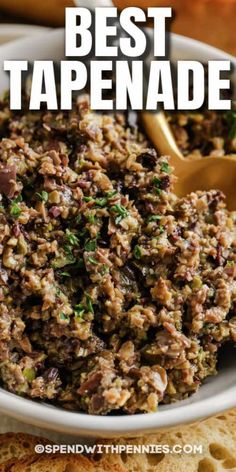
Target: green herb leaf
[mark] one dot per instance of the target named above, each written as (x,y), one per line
(65,274)
(101,201)
(112,193)
(71,238)
(63,317)
(121,211)
(154,218)
(137,252)
(59,292)
(165,167)
(89,304)
(18,199)
(79,310)
(157,183)
(92,260)
(91,245)
(87,199)
(43,196)
(104,269)
(91,218)
(78,219)
(15,209)
(70,258)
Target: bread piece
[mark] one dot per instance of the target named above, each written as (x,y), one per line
(18,445)
(62,463)
(17,454)
(217,435)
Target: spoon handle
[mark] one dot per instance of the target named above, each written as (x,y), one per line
(159,132)
(92,4)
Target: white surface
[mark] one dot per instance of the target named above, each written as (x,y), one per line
(215,395)
(9,425)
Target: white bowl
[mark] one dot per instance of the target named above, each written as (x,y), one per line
(11,32)
(217,393)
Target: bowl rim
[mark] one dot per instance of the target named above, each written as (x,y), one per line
(76,423)
(24,29)
(54,418)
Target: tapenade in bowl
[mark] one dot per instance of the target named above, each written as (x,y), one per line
(117,297)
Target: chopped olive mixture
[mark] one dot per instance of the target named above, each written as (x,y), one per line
(115,294)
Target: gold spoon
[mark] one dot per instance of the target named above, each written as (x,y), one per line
(193,174)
